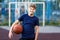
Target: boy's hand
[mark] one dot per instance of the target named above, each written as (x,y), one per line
(10,35)
(36,39)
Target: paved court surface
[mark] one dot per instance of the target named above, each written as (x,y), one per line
(42,36)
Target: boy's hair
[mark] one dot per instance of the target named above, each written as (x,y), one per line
(32,5)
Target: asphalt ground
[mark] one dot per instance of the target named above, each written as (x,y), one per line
(42,36)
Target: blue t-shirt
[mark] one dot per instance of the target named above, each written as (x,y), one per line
(29,24)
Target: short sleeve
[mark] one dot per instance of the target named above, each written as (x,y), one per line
(37,22)
(21,18)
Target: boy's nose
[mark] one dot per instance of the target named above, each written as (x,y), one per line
(31,10)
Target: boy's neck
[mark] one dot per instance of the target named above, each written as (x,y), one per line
(31,15)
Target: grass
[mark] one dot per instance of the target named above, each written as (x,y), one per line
(51,23)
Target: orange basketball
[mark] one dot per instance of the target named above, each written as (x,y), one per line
(18,29)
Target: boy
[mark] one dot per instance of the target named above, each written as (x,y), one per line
(29,22)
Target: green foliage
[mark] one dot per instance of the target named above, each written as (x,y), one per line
(0,0)
(4,24)
(52,23)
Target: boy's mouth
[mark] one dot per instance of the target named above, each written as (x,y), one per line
(31,14)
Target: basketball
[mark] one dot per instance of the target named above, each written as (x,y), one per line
(18,29)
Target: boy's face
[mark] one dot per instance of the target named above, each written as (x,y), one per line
(31,10)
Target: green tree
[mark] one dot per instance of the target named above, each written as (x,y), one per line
(0,0)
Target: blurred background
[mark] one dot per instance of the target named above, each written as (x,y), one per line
(52,11)
(49,27)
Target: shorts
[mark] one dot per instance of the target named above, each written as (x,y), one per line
(27,39)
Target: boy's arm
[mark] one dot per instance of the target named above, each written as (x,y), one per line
(15,23)
(36,32)
(10,32)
